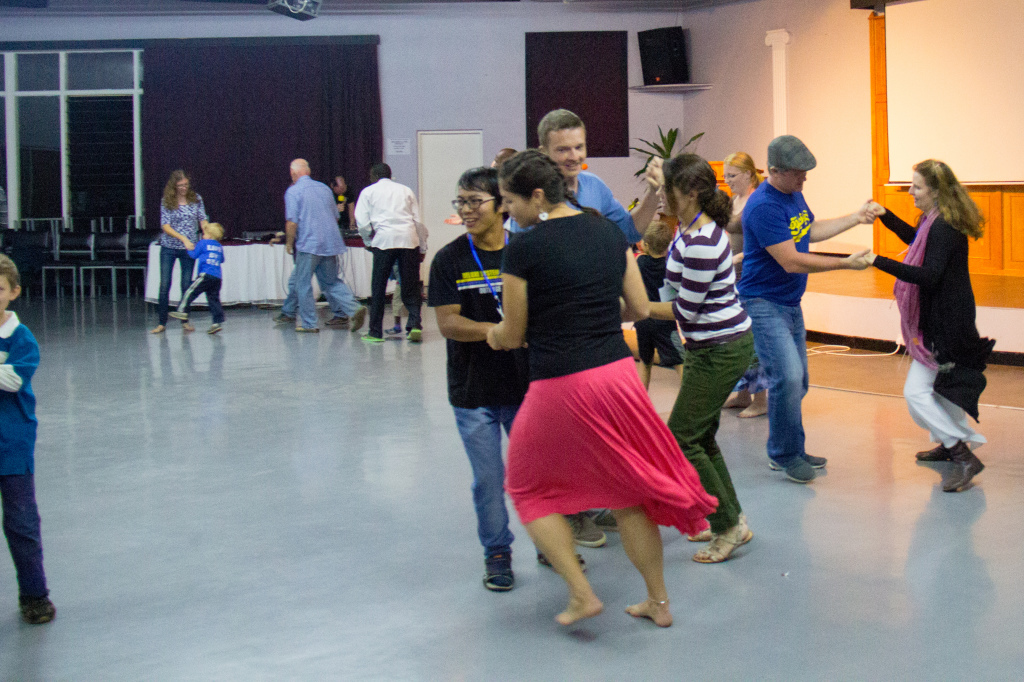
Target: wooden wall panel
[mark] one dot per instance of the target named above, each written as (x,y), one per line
(899,201)
(1013,231)
(986,254)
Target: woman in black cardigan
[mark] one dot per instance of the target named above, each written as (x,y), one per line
(937,314)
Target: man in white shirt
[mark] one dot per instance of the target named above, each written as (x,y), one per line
(388,218)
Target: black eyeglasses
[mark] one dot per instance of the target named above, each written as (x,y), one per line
(474,204)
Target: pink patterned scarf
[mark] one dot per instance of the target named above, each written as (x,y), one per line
(908,297)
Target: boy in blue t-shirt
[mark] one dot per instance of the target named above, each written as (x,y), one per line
(209,255)
(19,355)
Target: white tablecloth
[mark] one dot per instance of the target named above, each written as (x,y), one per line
(258,273)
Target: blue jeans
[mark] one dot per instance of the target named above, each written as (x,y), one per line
(21,527)
(781,344)
(480,429)
(186,265)
(339,296)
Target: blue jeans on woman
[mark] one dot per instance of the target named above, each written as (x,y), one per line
(21,527)
(186,264)
(480,429)
(781,344)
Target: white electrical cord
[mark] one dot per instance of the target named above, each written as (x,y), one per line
(844,351)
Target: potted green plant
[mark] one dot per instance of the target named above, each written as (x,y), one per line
(664,148)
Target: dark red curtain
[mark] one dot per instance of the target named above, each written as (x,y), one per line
(234,117)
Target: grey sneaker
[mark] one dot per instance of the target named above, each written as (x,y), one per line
(282,318)
(214,328)
(799,471)
(308,330)
(584,532)
(605,521)
(815,462)
(358,318)
(178,316)
(337,322)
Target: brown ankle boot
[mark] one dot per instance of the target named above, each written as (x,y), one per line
(966,467)
(939,453)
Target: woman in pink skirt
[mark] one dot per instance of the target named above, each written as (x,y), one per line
(587,435)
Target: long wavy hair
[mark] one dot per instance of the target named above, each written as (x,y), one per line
(171,191)
(688,173)
(955,204)
(743,161)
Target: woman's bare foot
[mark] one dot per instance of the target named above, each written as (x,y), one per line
(758,406)
(655,610)
(159,329)
(579,609)
(187,327)
(738,399)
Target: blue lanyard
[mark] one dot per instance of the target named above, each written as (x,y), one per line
(679,235)
(487,280)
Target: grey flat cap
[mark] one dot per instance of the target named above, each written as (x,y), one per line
(787,152)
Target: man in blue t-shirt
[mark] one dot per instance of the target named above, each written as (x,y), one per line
(563,137)
(778,228)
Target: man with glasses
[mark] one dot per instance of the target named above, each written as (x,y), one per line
(778,228)
(485,386)
(388,218)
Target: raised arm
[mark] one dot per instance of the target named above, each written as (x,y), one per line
(820,230)
(942,242)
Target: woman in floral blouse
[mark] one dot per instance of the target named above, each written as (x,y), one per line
(182,215)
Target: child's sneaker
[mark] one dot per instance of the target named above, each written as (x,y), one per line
(178,316)
(37,610)
(214,328)
(393,333)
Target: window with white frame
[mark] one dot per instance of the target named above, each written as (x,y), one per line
(70,136)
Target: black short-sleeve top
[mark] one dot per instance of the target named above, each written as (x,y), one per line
(573,269)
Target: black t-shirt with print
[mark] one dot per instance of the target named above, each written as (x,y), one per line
(477,375)
(573,269)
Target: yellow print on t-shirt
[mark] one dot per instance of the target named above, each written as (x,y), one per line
(799,225)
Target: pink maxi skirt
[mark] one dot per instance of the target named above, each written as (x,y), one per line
(592,440)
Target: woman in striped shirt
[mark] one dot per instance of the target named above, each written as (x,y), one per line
(700,288)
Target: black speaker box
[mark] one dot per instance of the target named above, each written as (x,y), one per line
(663,56)
(35,4)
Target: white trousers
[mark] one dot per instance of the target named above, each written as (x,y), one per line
(946,422)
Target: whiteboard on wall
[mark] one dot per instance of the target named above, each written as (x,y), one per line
(955,81)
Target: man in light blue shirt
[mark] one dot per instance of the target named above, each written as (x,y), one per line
(563,137)
(311,233)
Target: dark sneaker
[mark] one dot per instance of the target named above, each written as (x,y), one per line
(178,316)
(498,576)
(338,322)
(799,471)
(308,330)
(584,532)
(214,328)
(358,318)
(815,462)
(605,521)
(543,561)
(282,318)
(36,610)
(967,467)
(937,454)
(415,335)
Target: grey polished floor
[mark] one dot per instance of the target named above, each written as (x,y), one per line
(268,505)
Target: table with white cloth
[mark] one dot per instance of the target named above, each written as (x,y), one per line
(258,273)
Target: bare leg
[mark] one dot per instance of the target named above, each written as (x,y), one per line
(758,406)
(679,370)
(642,542)
(553,536)
(645,375)
(739,399)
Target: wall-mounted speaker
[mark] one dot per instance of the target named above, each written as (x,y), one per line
(663,56)
(34,4)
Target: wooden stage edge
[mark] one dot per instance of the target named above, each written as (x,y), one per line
(990,291)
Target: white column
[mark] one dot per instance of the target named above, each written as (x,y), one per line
(778,40)
(11,127)
(137,135)
(65,162)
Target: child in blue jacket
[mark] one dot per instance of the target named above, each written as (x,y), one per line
(19,355)
(209,255)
